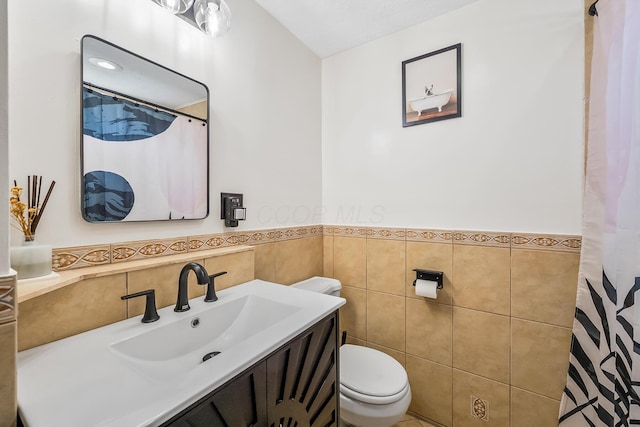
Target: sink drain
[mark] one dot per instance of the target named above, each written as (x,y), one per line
(210,355)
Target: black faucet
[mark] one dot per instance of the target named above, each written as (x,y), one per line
(150,312)
(182,304)
(211,287)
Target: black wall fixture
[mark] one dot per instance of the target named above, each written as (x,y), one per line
(231,209)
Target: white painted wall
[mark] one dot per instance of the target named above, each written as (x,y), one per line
(4,143)
(265,111)
(513,162)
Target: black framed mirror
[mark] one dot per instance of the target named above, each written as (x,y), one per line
(145,138)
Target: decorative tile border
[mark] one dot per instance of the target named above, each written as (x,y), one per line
(259,237)
(347,231)
(7,299)
(431,236)
(84,256)
(80,256)
(549,242)
(386,233)
(294,233)
(546,242)
(211,241)
(278,234)
(316,230)
(143,249)
(482,238)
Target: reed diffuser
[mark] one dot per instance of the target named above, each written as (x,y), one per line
(28,214)
(31,259)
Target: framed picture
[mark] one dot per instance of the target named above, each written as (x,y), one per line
(432,86)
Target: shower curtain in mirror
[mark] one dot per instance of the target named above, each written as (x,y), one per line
(141,163)
(603,381)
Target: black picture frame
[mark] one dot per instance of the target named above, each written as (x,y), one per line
(432,86)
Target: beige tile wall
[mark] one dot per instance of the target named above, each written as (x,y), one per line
(96,302)
(93,255)
(8,345)
(498,332)
(284,258)
(497,335)
(289,261)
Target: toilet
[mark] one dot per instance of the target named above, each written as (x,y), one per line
(374,387)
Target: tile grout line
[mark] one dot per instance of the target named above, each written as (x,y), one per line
(452,280)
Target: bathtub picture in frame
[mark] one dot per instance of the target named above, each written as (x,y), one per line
(432,86)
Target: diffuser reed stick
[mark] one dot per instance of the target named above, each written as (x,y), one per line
(28,215)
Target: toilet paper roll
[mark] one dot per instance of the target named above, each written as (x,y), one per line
(426,288)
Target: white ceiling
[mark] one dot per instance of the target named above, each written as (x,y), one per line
(331,26)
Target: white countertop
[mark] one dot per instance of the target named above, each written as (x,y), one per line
(80,381)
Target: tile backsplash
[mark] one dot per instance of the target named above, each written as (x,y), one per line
(498,333)
(84,256)
(282,255)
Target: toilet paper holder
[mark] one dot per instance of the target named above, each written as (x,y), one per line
(434,276)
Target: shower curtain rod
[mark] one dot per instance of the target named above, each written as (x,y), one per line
(592,9)
(91,86)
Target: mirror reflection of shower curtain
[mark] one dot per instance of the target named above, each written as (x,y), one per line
(603,380)
(141,163)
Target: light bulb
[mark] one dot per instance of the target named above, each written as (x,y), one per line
(175,6)
(212,17)
(107,65)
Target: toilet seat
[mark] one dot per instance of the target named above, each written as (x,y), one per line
(371,376)
(373,400)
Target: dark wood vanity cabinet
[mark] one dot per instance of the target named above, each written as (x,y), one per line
(241,402)
(297,385)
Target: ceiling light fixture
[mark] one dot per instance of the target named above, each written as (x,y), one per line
(212,17)
(105,63)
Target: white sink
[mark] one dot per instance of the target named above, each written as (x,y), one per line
(141,374)
(182,345)
(215,329)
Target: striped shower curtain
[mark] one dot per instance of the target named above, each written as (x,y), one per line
(603,380)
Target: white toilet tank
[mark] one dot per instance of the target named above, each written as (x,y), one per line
(323,285)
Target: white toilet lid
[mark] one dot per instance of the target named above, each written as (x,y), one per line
(371,372)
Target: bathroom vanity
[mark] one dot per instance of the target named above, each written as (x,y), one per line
(296,385)
(263,354)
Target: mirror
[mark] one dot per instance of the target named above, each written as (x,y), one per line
(145,138)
